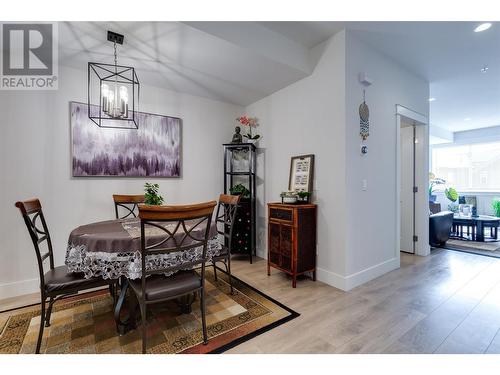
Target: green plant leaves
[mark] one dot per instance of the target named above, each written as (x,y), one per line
(495,204)
(240,189)
(151,196)
(451,194)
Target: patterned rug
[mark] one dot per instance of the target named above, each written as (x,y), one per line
(491,249)
(85,323)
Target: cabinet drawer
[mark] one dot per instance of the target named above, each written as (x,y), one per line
(281,214)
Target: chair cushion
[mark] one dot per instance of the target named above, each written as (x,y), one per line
(162,287)
(60,279)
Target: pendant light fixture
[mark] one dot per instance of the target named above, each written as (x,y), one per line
(113,92)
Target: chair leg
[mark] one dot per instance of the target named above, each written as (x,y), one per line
(215,270)
(228,267)
(144,330)
(113,290)
(42,324)
(133,304)
(49,312)
(203,317)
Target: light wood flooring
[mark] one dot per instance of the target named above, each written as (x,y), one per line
(448,302)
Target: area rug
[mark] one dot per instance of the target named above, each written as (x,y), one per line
(491,249)
(85,323)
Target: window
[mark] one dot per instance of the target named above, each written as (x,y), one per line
(474,167)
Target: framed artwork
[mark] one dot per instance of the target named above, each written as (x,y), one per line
(153,150)
(301,173)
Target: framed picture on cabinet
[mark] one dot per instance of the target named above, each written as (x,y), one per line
(301,173)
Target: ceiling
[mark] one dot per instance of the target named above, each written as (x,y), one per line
(211,60)
(242,62)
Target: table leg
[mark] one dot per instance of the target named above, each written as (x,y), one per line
(480,231)
(121,326)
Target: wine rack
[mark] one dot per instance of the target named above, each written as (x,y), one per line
(239,169)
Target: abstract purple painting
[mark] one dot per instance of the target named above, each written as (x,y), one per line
(153,150)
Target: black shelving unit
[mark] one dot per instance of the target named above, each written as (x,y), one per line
(239,168)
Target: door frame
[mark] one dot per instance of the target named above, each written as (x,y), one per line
(421,213)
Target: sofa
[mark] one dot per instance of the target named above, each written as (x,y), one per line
(440,228)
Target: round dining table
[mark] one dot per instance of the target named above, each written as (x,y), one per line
(112,250)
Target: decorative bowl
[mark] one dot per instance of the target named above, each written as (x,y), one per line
(289,200)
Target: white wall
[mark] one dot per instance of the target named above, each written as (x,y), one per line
(35,162)
(307,117)
(319,115)
(371,245)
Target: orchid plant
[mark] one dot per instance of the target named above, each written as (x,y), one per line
(251,122)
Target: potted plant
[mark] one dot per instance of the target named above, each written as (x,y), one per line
(452,196)
(432,197)
(151,196)
(240,189)
(251,122)
(433,181)
(303,196)
(495,204)
(288,197)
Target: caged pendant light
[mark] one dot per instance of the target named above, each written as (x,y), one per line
(113,92)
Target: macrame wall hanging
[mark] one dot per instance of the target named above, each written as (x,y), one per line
(364,122)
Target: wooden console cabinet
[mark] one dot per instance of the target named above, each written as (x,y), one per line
(292,239)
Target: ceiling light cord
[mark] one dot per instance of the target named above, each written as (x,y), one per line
(116,61)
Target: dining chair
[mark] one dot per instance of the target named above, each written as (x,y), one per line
(57,282)
(128,203)
(177,226)
(224,219)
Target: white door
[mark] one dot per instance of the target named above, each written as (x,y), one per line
(407,181)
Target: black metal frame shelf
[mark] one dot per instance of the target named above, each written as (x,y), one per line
(247,209)
(239,173)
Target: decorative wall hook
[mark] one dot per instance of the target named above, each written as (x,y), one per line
(364,115)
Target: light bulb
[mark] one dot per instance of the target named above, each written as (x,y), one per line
(482,27)
(111,103)
(123,92)
(105,97)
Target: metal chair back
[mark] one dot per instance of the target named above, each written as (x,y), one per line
(226,216)
(177,229)
(128,204)
(31,211)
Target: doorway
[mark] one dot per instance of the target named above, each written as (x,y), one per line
(412,170)
(409,187)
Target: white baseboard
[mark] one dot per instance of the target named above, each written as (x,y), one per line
(18,288)
(331,278)
(371,273)
(349,282)
(346,283)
